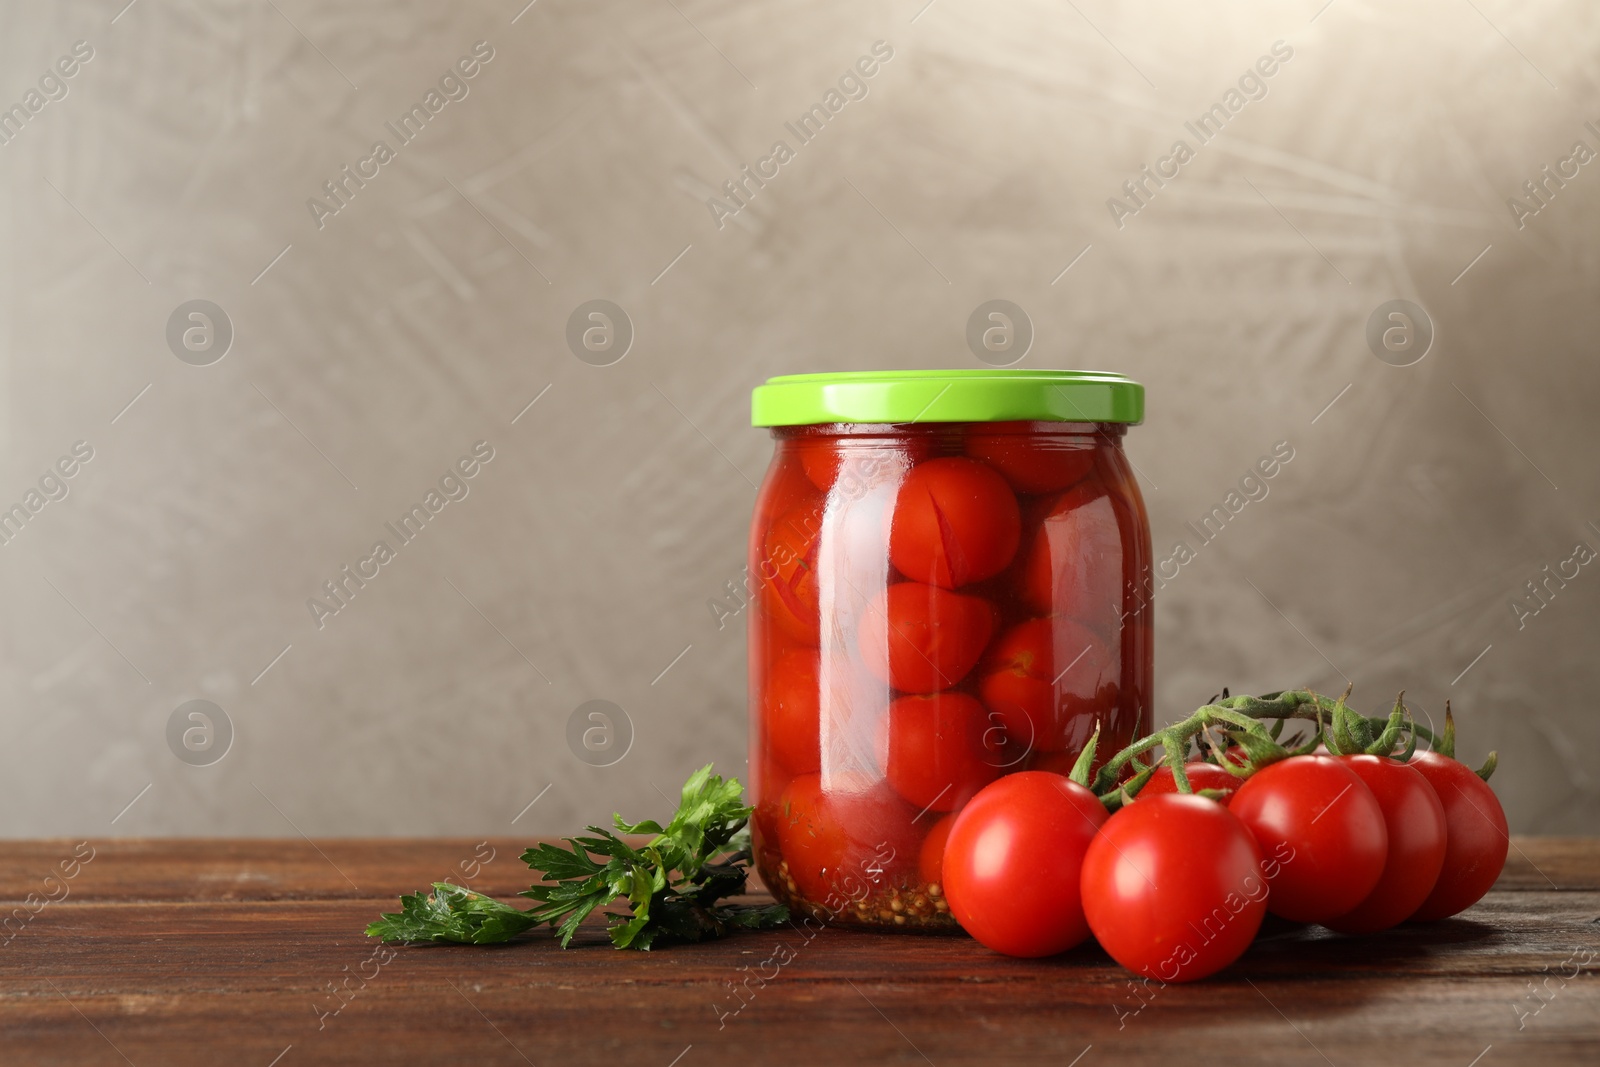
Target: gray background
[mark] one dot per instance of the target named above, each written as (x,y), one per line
(424,318)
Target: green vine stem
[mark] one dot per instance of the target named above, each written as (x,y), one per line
(1240,719)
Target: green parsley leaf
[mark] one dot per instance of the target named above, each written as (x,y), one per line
(673,887)
(451,913)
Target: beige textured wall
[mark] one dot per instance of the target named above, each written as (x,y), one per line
(425,314)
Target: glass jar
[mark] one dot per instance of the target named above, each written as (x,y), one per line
(950,584)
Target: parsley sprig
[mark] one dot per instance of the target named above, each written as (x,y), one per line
(675,885)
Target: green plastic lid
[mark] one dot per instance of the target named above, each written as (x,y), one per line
(947,396)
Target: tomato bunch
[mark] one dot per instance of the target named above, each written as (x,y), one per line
(935,608)
(1345,831)
(947,627)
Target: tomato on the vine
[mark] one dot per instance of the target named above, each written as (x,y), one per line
(940,750)
(1324,829)
(1476,836)
(1200,775)
(1415,821)
(1049,681)
(1013,859)
(955,521)
(1173,887)
(922,638)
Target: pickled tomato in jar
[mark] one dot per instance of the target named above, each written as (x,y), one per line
(950,574)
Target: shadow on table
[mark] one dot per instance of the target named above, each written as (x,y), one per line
(1296,949)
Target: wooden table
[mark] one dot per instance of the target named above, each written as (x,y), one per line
(250,953)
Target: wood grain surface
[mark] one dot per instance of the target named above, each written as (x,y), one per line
(251,952)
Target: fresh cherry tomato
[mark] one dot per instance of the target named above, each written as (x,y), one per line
(1173,887)
(1012,863)
(1415,820)
(1049,681)
(1477,836)
(921,638)
(1030,462)
(930,859)
(1074,561)
(1200,775)
(788,570)
(845,845)
(793,711)
(939,754)
(955,521)
(1322,831)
